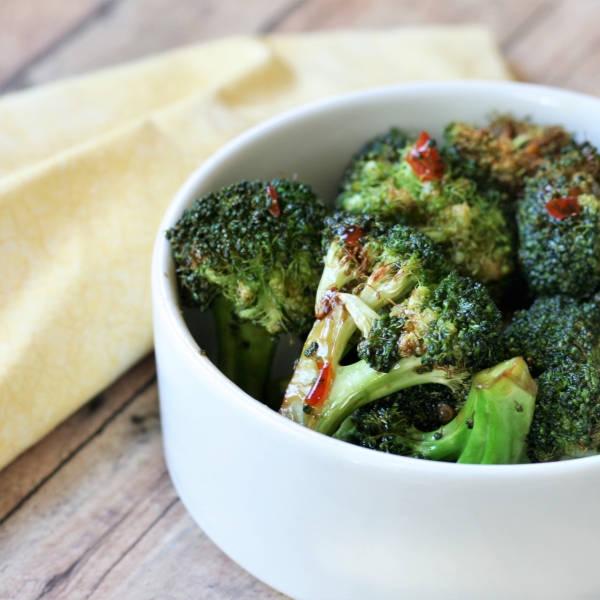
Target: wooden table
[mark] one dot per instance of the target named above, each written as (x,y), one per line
(90,510)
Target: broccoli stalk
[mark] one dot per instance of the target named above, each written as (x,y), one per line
(245,351)
(491,427)
(249,252)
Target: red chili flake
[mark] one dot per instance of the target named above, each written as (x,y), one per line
(329,300)
(562,208)
(351,235)
(321,385)
(425,159)
(274,209)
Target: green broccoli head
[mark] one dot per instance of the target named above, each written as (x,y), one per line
(490,428)
(554,329)
(257,245)
(454,326)
(566,423)
(559,231)
(411,185)
(504,152)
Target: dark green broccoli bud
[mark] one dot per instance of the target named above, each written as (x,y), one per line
(566,423)
(388,182)
(491,427)
(380,264)
(380,348)
(559,231)
(504,152)
(425,407)
(251,252)
(555,329)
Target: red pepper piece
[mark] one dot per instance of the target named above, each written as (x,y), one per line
(274,209)
(425,159)
(562,208)
(321,385)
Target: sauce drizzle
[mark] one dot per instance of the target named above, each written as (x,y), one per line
(352,235)
(274,209)
(562,208)
(321,385)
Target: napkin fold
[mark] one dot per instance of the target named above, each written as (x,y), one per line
(89,165)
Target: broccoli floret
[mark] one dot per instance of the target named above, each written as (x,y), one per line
(366,262)
(491,427)
(559,231)
(503,153)
(404,181)
(250,252)
(559,338)
(566,423)
(441,333)
(553,330)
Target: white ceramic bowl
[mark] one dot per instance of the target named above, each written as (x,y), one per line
(320,519)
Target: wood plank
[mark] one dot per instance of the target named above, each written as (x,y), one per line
(503,17)
(28,471)
(108,524)
(561,48)
(29,27)
(136,28)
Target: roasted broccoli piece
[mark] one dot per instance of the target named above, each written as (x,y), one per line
(491,427)
(507,150)
(559,231)
(443,330)
(566,422)
(559,338)
(553,330)
(380,264)
(250,252)
(404,181)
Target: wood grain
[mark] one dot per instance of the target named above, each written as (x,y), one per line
(28,28)
(108,524)
(136,28)
(503,17)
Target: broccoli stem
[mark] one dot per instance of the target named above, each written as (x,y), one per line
(245,350)
(492,426)
(358,384)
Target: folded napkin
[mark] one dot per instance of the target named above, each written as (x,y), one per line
(89,165)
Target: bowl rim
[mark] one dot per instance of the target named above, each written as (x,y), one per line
(167,304)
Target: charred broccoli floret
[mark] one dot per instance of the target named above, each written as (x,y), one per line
(250,252)
(491,427)
(507,150)
(404,181)
(440,329)
(366,262)
(559,231)
(553,330)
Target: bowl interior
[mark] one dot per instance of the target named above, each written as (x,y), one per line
(315,143)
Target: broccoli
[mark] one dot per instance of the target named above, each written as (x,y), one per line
(404,181)
(566,422)
(440,329)
(491,427)
(559,338)
(559,231)
(250,252)
(555,329)
(506,151)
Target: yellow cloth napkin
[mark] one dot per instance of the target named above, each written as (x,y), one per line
(88,166)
